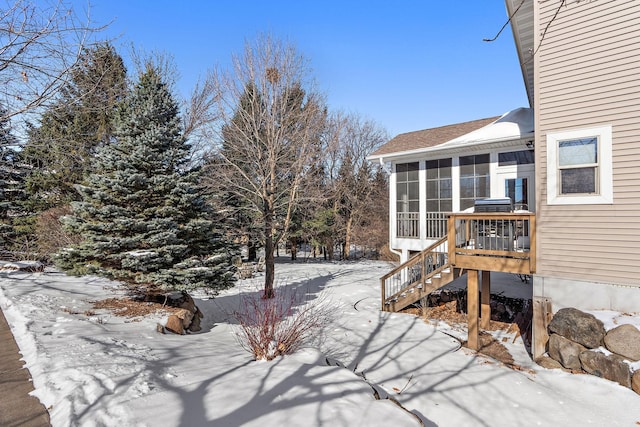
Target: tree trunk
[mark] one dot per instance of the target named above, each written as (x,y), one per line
(269,261)
(347,238)
(269,266)
(329,250)
(294,249)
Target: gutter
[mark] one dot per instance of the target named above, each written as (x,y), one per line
(384,166)
(458,147)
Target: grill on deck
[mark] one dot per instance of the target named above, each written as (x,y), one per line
(493,205)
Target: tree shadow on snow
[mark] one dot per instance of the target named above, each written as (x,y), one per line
(401,365)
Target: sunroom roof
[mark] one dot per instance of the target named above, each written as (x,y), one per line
(514,125)
(511,127)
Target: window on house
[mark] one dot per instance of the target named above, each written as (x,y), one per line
(407,187)
(579,167)
(474,179)
(407,200)
(514,158)
(439,186)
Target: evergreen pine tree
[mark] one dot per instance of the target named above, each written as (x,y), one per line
(142,217)
(61,147)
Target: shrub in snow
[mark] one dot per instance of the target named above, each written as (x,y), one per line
(142,217)
(272,327)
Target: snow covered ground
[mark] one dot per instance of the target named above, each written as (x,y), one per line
(104,370)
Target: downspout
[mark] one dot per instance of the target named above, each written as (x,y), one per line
(388,171)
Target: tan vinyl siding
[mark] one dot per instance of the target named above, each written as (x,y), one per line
(588,74)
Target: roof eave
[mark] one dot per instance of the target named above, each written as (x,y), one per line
(521,15)
(464,148)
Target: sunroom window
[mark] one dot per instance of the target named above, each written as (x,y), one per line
(408,200)
(474,179)
(439,186)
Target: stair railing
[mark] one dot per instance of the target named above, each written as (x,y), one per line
(415,271)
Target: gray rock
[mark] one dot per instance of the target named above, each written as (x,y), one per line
(565,351)
(578,326)
(625,341)
(549,363)
(610,367)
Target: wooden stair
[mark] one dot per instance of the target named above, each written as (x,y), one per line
(415,279)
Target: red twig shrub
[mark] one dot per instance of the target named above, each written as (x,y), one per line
(272,327)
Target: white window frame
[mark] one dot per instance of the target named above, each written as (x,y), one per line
(604,173)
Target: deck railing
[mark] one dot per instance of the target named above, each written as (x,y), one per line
(408,224)
(493,242)
(436,225)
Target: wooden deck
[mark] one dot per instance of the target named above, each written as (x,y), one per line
(475,244)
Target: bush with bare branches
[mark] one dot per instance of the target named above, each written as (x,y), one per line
(272,327)
(52,235)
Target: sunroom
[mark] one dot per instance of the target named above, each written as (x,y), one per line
(447,170)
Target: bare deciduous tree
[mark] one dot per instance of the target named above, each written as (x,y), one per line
(40,42)
(272,119)
(350,140)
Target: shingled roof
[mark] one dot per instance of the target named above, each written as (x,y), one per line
(430,137)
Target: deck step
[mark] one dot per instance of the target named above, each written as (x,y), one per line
(420,289)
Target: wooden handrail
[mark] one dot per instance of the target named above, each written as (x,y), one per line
(419,258)
(414,259)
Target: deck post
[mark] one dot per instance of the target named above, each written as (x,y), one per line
(472,308)
(485,307)
(542,314)
(451,240)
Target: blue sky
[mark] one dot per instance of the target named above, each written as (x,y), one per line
(408,65)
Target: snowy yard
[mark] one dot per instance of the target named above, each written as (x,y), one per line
(92,368)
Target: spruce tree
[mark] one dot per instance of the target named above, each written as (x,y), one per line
(142,216)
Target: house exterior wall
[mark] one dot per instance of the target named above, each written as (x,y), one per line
(587,75)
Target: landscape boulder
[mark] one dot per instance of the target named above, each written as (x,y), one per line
(187,303)
(625,341)
(195,322)
(578,326)
(565,351)
(175,325)
(185,316)
(611,367)
(549,363)
(189,315)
